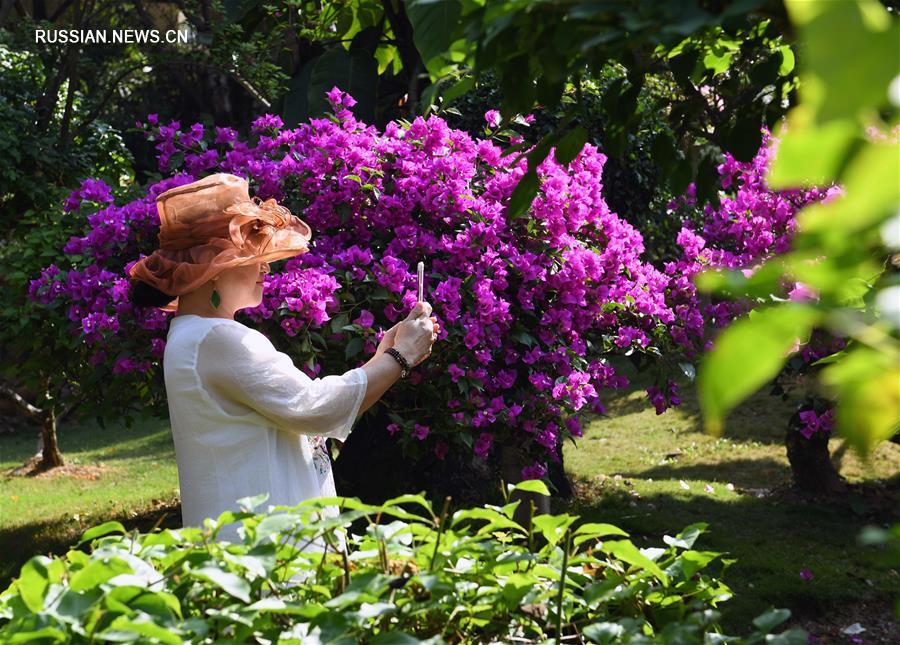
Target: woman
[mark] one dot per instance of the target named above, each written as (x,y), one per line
(244,419)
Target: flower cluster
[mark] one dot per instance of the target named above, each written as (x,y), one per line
(528,306)
(814,422)
(662,401)
(751,224)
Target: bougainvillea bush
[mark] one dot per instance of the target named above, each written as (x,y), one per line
(473,576)
(751,224)
(530,307)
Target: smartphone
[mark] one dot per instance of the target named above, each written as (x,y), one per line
(421,281)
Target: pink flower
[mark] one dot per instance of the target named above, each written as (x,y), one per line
(802,293)
(534,471)
(365,319)
(483,444)
(806,574)
(420,432)
(492,117)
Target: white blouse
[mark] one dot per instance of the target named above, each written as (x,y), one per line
(245,420)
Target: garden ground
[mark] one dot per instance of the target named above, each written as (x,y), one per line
(651,475)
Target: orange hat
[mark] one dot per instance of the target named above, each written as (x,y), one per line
(211,225)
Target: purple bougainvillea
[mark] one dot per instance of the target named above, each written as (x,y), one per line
(530,307)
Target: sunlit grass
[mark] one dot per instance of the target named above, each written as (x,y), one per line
(653,475)
(135,473)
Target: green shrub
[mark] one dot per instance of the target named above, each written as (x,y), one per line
(471,576)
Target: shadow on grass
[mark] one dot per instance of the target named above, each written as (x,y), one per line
(771,539)
(56,537)
(746,473)
(760,419)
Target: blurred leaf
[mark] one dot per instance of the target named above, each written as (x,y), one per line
(867,384)
(771,619)
(748,354)
(839,40)
(810,156)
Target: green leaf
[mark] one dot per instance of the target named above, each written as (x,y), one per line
(692,561)
(599,529)
(771,619)
(867,385)
(228,582)
(810,156)
(627,552)
(530,486)
(570,145)
(523,195)
(871,194)
(687,537)
(434,23)
(103,529)
(355,73)
(787,60)
(250,503)
(830,78)
(37,636)
(32,582)
(748,354)
(553,527)
(459,88)
(97,572)
(276,523)
(354,347)
(123,626)
(605,633)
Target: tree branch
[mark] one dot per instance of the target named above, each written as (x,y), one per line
(98,109)
(31,411)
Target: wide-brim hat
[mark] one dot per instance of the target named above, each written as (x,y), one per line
(211,225)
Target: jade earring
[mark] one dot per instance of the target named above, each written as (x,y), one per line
(215,298)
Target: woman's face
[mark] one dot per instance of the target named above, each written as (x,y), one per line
(243,285)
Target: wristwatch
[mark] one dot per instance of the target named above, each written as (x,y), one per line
(404,364)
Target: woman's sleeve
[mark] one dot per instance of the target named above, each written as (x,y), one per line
(244,367)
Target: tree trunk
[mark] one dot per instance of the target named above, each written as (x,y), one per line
(513,460)
(810,462)
(47,449)
(372,466)
(51,457)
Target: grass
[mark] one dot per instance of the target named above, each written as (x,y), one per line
(124,474)
(652,475)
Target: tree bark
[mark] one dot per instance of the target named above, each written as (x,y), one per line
(51,457)
(48,448)
(810,461)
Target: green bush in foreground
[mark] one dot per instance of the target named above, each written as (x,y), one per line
(412,576)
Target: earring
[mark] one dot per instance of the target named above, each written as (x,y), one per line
(215,298)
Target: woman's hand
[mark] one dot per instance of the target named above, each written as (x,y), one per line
(387,340)
(389,337)
(415,335)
